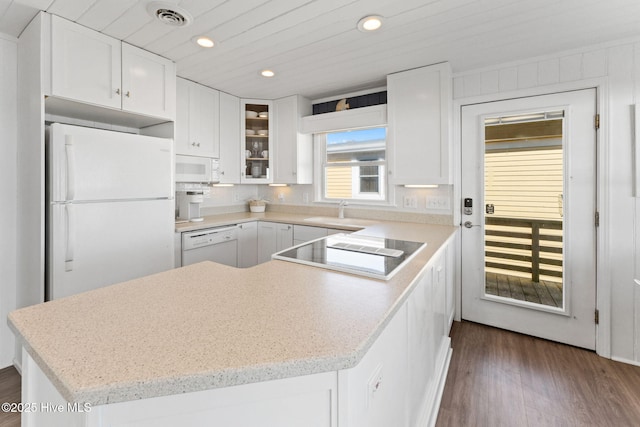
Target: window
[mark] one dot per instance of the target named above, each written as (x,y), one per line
(353,164)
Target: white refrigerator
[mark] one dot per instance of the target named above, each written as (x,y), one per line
(110,208)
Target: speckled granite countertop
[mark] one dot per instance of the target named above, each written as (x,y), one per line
(209,325)
(349,224)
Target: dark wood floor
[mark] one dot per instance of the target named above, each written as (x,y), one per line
(500,378)
(9,392)
(543,292)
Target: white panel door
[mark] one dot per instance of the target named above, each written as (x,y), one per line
(182,117)
(86,65)
(292,150)
(247,244)
(230,143)
(94,164)
(148,83)
(204,121)
(490,238)
(92,245)
(267,240)
(284,238)
(418,130)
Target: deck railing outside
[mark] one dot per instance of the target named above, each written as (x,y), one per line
(524,245)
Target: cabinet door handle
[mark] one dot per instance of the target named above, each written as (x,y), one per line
(222,173)
(71,167)
(118,91)
(71,238)
(128,94)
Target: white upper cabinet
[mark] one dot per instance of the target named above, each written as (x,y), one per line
(86,65)
(90,67)
(419,106)
(148,83)
(229,139)
(197,120)
(293,160)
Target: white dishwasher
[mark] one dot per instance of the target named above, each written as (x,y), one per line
(218,244)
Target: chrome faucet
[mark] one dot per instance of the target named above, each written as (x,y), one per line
(341,206)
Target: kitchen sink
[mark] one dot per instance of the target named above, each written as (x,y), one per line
(346,222)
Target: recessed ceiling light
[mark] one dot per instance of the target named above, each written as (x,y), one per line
(370,23)
(204,41)
(267,73)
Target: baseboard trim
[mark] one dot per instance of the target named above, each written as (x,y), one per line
(627,361)
(431,406)
(440,390)
(17,365)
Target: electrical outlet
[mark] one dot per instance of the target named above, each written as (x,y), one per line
(281,197)
(305,197)
(374,385)
(438,203)
(410,202)
(236,196)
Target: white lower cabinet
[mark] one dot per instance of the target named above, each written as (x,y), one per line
(247,244)
(305,233)
(273,237)
(291,402)
(374,393)
(398,382)
(429,344)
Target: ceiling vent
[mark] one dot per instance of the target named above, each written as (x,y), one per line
(169,14)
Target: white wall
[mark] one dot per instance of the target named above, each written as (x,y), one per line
(8,192)
(616,69)
(295,195)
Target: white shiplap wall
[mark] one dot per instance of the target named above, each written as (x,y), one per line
(615,69)
(8,193)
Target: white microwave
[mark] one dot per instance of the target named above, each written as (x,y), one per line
(197,169)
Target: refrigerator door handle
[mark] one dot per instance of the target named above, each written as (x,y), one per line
(71,238)
(71,166)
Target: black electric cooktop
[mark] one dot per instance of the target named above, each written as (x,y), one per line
(368,256)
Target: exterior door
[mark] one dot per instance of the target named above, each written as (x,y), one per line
(529,215)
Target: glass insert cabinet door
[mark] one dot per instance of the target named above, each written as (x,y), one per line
(257,136)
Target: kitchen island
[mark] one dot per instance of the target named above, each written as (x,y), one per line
(276,344)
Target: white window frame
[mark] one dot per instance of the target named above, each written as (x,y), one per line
(383,198)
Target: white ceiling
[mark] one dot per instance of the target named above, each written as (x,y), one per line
(315,48)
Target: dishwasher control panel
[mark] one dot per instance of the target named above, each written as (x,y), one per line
(207,237)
